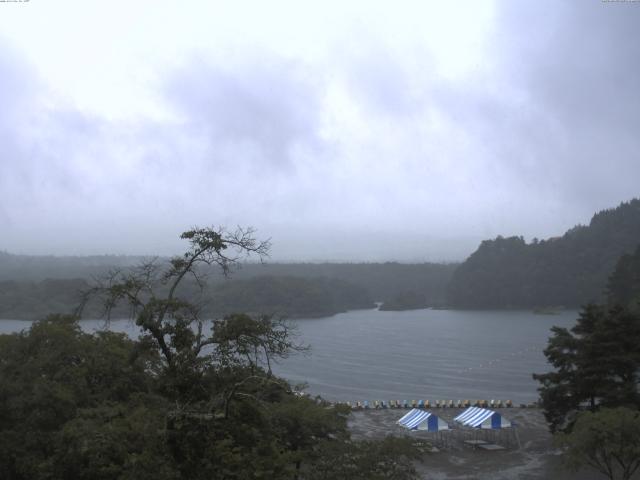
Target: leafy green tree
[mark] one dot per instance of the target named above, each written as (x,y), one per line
(392,458)
(115,440)
(608,441)
(303,423)
(232,418)
(220,380)
(58,384)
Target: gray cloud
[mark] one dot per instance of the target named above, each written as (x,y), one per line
(551,128)
(229,158)
(406,164)
(579,82)
(381,83)
(262,111)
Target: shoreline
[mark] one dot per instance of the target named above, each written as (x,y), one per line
(533,457)
(437,404)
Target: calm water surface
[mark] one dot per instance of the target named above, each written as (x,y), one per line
(428,354)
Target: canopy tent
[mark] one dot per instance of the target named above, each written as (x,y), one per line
(477,417)
(423,420)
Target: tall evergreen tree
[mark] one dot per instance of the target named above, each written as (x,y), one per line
(597,362)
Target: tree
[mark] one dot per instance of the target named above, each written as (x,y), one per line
(75,405)
(623,287)
(169,321)
(570,270)
(232,416)
(188,399)
(608,441)
(391,458)
(217,379)
(596,364)
(303,425)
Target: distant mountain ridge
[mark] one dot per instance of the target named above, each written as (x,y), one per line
(564,271)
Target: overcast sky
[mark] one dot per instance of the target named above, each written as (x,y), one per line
(342,130)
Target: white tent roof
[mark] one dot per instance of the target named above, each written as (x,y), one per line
(477,417)
(422,420)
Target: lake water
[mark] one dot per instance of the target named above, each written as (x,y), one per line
(417,354)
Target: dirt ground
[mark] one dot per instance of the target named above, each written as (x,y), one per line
(529,456)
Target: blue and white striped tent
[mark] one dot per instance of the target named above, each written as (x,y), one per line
(477,417)
(423,420)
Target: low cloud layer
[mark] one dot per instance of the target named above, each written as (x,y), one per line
(375,150)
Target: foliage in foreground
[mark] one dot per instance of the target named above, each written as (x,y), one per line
(184,401)
(596,365)
(74,405)
(389,459)
(608,441)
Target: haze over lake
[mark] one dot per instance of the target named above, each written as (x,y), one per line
(428,354)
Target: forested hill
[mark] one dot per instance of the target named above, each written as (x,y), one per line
(380,281)
(279,296)
(31,287)
(570,270)
(623,287)
(286,296)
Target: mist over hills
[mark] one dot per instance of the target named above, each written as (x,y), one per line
(506,272)
(35,268)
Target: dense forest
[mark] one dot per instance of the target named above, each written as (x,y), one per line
(281,296)
(569,271)
(31,287)
(382,281)
(409,300)
(624,285)
(287,296)
(22,300)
